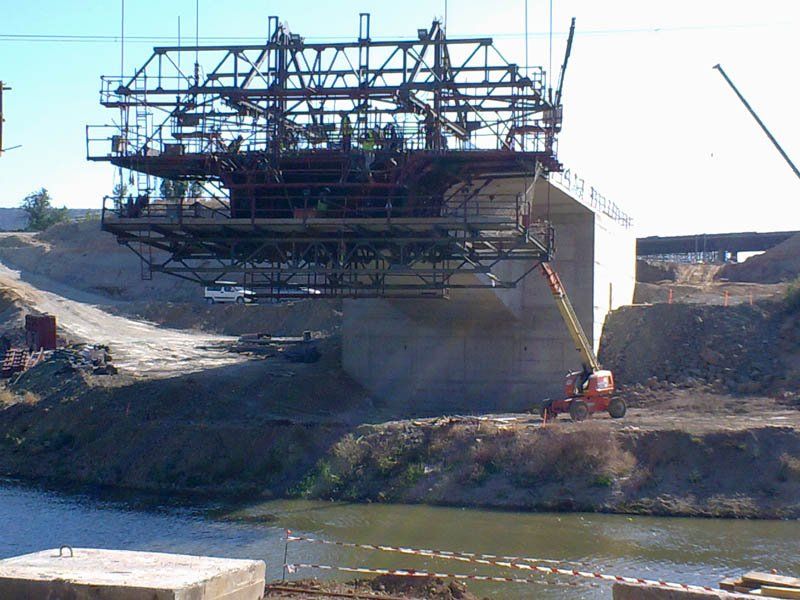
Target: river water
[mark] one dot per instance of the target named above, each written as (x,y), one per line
(685,550)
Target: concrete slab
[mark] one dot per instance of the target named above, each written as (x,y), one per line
(125,575)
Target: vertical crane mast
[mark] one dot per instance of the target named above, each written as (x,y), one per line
(759,121)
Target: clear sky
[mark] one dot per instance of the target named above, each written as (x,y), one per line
(647,121)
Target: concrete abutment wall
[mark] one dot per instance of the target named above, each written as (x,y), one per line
(493,350)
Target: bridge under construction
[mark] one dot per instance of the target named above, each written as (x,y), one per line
(368,168)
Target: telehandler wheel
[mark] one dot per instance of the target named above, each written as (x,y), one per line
(578,410)
(617,408)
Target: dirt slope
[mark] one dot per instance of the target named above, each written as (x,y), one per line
(85,258)
(781,263)
(742,349)
(285,318)
(137,347)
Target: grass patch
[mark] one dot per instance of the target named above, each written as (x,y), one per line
(792,298)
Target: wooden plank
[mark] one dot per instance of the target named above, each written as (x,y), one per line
(770,579)
(779,592)
(730,583)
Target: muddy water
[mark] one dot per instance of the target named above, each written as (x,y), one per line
(688,550)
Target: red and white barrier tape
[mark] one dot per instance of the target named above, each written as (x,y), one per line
(293,568)
(483,559)
(529,564)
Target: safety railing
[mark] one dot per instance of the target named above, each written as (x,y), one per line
(576,185)
(501,211)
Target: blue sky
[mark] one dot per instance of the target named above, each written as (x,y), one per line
(647,121)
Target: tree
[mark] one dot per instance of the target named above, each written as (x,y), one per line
(40,211)
(119,193)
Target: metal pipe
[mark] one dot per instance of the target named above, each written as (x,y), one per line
(759,121)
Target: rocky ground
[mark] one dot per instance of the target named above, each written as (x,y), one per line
(384,587)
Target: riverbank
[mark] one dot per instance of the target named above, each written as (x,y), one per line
(277,430)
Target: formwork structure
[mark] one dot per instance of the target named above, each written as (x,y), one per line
(354,169)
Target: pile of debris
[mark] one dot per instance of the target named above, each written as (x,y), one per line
(303,349)
(93,358)
(739,349)
(768,585)
(17,360)
(88,358)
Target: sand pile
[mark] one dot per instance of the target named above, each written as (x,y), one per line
(781,263)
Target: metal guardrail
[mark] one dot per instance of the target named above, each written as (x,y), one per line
(505,209)
(576,185)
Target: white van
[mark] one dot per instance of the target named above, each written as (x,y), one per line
(228,291)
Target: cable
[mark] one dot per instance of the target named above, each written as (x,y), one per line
(527,62)
(550,55)
(88,38)
(122,41)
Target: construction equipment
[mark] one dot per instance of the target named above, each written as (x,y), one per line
(758,120)
(591,389)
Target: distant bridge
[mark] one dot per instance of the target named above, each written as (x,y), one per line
(708,243)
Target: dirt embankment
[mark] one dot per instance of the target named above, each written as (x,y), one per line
(584,467)
(85,258)
(660,282)
(432,588)
(249,428)
(781,263)
(274,429)
(653,272)
(736,349)
(284,318)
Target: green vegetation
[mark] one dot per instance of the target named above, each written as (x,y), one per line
(41,212)
(793,296)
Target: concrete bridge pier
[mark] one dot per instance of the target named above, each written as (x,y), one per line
(494,349)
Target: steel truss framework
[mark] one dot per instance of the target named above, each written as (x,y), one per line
(340,169)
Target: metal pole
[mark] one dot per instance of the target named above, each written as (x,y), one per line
(3,88)
(122,42)
(759,121)
(527,67)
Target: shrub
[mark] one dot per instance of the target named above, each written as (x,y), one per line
(792,298)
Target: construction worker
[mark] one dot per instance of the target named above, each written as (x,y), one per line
(347,133)
(390,137)
(369,148)
(430,126)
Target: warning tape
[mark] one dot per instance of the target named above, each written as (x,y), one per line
(483,559)
(293,568)
(529,564)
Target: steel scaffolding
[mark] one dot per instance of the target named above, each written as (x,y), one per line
(363,168)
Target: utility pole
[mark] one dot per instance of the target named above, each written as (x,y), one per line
(759,121)
(2,89)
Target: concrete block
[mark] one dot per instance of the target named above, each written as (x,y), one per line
(89,574)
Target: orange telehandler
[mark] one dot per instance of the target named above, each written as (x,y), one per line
(591,389)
